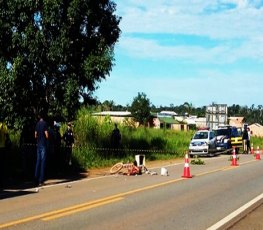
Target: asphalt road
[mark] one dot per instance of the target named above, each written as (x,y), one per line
(252,220)
(215,192)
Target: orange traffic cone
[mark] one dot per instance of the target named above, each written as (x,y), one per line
(252,149)
(186,167)
(258,154)
(234,158)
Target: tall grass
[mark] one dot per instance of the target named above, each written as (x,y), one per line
(257,142)
(93,145)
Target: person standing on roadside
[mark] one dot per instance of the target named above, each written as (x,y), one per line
(68,138)
(41,135)
(3,137)
(57,147)
(115,137)
(245,141)
(248,140)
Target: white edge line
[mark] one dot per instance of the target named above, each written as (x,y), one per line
(235,213)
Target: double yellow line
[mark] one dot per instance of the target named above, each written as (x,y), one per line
(84,206)
(65,211)
(99,202)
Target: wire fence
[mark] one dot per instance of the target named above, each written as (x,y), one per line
(59,157)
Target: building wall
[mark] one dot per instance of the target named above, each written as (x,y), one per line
(216,114)
(256,129)
(180,127)
(200,122)
(157,125)
(236,121)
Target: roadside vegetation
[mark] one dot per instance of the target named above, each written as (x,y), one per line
(93,147)
(257,142)
(93,142)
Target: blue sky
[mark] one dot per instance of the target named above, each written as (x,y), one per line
(195,51)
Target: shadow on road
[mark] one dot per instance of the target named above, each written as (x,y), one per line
(15,187)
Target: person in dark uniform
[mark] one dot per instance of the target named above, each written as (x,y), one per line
(115,137)
(41,134)
(3,136)
(245,141)
(68,138)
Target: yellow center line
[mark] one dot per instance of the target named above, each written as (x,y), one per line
(209,172)
(84,206)
(243,163)
(56,212)
(62,214)
(247,162)
(230,168)
(99,202)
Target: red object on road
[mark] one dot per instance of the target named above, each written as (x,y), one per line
(234,158)
(258,154)
(187,173)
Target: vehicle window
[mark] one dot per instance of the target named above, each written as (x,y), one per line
(235,132)
(201,135)
(212,135)
(222,132)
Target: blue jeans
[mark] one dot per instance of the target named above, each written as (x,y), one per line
(41,163)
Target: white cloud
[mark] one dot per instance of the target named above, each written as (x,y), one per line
(188,17)
(217,72)
(224,53)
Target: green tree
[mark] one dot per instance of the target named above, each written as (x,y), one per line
(141,108)
(108,105)
(53,53)
(234,110)
(188,107)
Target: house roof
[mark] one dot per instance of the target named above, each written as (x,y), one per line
(113,113)
(256,124)
(166,113)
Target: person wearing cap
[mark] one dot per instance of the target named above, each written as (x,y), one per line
(68,138)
